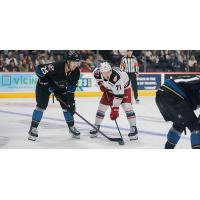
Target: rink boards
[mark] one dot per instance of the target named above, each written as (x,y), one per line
(22,85)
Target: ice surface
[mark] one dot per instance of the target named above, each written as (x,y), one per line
(15,119)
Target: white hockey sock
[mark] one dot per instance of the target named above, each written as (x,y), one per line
(100,113)
(130,114)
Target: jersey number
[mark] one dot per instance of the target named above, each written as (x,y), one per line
(118,87)
(44,70)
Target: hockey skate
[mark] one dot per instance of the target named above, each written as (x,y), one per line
(133,135)
(74,132)
(33,134)
(94,132)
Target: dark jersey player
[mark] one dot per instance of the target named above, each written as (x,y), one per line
(177,100)
(59,78)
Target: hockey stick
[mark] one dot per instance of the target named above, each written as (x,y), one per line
(119,140)
(109,138)
(122,140)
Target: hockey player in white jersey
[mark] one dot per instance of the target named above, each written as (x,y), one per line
(116,88)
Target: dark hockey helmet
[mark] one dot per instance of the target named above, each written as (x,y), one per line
(73,55)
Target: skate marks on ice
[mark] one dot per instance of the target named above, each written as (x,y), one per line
(53,125)
(53,133)
(3,141)
(141,118)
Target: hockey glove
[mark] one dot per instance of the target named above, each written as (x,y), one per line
(102,88)
(114,113)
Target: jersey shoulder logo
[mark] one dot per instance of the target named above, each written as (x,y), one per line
(50,67)
(115,79)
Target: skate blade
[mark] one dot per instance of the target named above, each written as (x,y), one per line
(135,137)
(32,138)
(75,136)
(93,135)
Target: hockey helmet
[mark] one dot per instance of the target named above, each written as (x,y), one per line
(73,55)
(105,67)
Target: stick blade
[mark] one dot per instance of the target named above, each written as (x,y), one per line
(116,139)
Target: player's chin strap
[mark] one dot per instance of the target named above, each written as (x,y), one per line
(115,121)
(119,140)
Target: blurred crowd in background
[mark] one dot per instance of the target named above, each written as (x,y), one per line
(148,60)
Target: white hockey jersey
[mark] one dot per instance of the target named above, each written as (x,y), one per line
(118,82)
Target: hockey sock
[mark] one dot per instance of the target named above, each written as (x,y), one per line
(100,113)
(195,139)
(130,114)
(173,137)
(36,117)
(194,127)
(68,118)
(131,117)
(99,117)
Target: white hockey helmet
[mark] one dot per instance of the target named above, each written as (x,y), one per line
(105,67)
